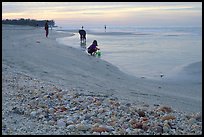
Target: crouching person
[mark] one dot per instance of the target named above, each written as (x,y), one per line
(93,48)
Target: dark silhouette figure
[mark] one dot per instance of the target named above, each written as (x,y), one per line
(82,27)
(93,48)
(46,28)
(105,28)
(82,35)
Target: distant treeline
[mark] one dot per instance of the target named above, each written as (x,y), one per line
(30,22)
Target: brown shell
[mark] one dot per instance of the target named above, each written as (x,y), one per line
(99,129)
(168,117)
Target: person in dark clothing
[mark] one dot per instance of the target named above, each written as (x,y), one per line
(46,28)
(93,48)
(82,35)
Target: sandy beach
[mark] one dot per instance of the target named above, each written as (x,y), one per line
(32,62)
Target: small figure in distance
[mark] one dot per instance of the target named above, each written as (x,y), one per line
(82,35)
(46,28)
(93,48)
(105,28)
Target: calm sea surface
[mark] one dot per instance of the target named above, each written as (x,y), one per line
(143,51)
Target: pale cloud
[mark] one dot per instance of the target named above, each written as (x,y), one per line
(103,11)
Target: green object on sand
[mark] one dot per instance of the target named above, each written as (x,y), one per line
(98,53)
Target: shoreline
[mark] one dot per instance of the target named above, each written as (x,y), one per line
(69,65)
(169,72)
(68,68)
(191,73)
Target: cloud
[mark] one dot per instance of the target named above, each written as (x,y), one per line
(102,11)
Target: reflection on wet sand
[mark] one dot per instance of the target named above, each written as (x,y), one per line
(83,45)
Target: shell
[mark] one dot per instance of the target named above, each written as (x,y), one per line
(100,129)
(165,109)
(168,117)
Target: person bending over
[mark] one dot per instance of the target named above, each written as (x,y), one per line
(82,35)
(93,48)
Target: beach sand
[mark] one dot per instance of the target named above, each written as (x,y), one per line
(26,50)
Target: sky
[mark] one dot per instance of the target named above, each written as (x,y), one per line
(110,13)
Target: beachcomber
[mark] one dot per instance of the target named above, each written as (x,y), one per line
(92,49)
(82,35)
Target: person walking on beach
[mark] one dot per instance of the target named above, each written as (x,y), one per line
(105,28)
(93,48)
(46,28)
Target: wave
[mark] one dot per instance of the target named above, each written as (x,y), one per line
(102,33)
(191,73)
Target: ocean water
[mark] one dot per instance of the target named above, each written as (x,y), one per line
(142,51)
